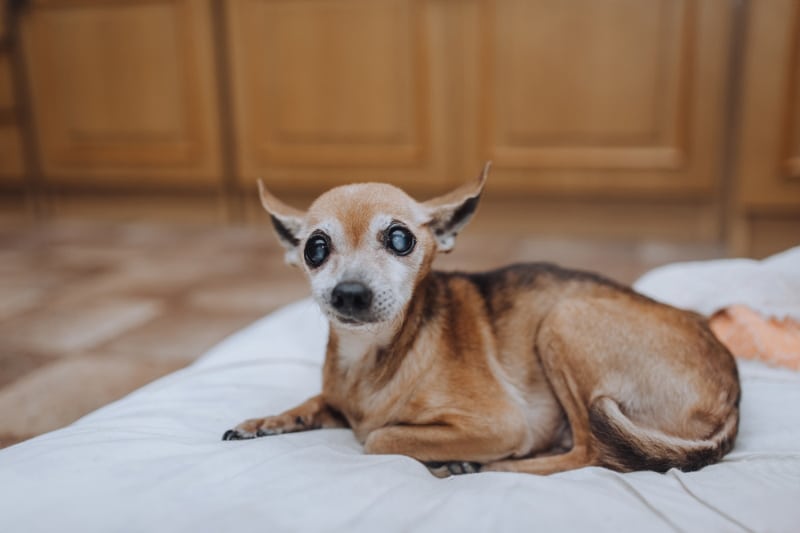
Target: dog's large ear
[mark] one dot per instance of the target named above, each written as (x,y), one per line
(287,222)
(451,212)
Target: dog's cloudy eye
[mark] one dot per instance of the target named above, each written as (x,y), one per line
(317,250)
(399,240)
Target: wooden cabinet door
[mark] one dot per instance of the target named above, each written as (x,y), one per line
(766,202)
(123,91)
(769,140)
(333,91)
(12,165)
(614,97)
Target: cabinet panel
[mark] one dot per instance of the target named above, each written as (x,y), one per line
(766,207)
(6,86)
(4,21)
(11,155)
(622,96)
(12,165)
(123,92)
(336,88)
(791,100)
(769,140)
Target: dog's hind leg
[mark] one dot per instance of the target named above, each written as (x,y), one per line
(452,445)
(582,452)
(561,356)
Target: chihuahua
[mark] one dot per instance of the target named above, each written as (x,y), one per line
(529,368)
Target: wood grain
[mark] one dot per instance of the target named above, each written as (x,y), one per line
(124,91)
(766,204)
(331,92)
(619,97)
(769,137)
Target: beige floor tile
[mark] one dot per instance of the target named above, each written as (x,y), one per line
(158,276)
(90,256)
(60,393)
(179,336)
(16,300)
(153,236)
(611,258)
(241,239)
(655,253)
(58,232)
(16,362)
(477,252)
(67,329)
(15,211)
(35,272)
(253,294)
(13,260)
(132,207)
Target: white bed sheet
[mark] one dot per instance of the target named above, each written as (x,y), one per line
(154,461)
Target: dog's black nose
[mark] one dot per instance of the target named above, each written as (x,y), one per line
(351,298)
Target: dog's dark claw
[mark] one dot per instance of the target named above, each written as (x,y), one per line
(453,468)
(463,467)
(235,434)
(232,434)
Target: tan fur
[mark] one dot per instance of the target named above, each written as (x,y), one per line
(532,368)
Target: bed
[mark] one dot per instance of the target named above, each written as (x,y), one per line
(154,461)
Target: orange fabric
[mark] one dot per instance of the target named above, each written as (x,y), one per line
(749,335)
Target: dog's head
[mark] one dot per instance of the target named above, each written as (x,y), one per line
(366,247)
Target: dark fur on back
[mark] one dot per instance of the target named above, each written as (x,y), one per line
(499,288)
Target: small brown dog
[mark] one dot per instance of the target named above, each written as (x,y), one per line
(531,368)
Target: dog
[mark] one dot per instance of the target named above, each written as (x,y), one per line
(531,368)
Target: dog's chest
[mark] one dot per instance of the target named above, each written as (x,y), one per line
(352,350)
(373,388)
(365,399)
(424,390)
(436,377)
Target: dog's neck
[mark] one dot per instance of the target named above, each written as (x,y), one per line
(388,343)
(354,345)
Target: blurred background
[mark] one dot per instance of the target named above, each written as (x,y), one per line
(625,134)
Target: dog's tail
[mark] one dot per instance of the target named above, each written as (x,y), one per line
(626,446)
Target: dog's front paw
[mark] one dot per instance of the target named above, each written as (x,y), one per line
(263,427)
(453,468)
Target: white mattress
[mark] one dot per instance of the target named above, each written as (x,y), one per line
(154,461)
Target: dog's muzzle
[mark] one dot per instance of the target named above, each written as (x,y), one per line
(352,300)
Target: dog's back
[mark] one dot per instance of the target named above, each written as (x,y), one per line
(658,390)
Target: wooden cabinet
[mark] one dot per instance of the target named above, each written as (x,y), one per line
(769,140)
(12,167)
(328,92)
(601,102)
(616,97)
(587,97)
(6,85)
(124,92)
(766,199)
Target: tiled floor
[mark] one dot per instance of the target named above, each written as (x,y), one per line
(90,310)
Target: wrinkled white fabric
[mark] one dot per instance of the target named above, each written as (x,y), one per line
(771,286)
(154,462)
